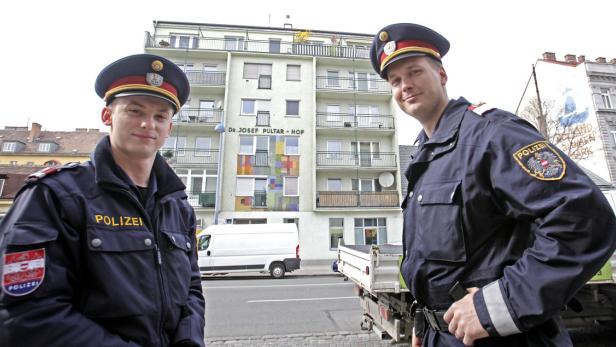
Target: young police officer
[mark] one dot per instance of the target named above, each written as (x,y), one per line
(103,253)
(500,227)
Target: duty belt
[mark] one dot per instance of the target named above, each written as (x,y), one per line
(425,316)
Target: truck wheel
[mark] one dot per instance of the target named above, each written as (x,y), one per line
(277,270)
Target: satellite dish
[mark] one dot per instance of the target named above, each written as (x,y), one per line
(386,179)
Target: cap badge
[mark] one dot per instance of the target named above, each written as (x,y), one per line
(383,36)
(389,47)
(157,65)
(154,79)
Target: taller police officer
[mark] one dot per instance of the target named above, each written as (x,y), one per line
(500,227)
(103,253)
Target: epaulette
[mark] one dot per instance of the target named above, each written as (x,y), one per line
(48,171)
(480,108)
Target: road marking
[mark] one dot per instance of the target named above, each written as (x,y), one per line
(304,299)
(283,285)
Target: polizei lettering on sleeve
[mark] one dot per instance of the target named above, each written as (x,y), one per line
(118,221)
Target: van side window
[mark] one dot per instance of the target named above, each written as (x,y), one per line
(204,242)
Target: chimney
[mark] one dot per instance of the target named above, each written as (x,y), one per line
(570,58)
(600,60)
(35,131)
(287,24)
(581,58)
(613,61)
(549,56)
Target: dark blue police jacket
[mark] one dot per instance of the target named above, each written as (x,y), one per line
(86,264)
(492,205)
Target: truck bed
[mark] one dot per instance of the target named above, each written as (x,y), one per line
(373,267)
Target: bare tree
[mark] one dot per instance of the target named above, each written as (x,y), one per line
(573,139)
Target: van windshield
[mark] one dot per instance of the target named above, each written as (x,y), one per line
(204,242)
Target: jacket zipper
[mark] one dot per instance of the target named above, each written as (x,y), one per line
(158,255)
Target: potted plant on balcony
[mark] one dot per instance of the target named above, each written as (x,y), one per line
(167,154)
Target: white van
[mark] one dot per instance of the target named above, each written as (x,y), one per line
(226,248)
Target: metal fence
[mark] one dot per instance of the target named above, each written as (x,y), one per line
(349,120)
(353,84)
(198,115)
(206,78)
(357,199)
(175,156)
(354,159)
(240,43)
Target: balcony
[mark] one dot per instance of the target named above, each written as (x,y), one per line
(206,78)
(203,199)
(190,156)
(205,116)
(348,120)
(356,160)
(195,43)
(353,84)
(357,199)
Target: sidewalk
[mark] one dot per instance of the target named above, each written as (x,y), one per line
(334,339)
(313,267)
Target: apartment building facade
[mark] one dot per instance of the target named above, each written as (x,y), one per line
(285,125)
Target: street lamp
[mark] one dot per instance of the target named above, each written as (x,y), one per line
(220,129)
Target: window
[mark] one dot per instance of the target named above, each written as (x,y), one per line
(248,221)
(365,185)
(206,110)
(333,113)
(260,193)
(292,107)
(254,70)
(336,232)
(294,72)
(262,151)
(605,97)
(370,231)
(291,145)
(251,106)
(51,163)
(175,143)
(246,145)
(334,184)
(1,185)
(332,79)
(290,186)
(9,147)
(274,45)
(184,41)
(265,82)
(291,220)
(44,147)
(203,146)
(234,43)
(186,67)
(197,183)
(244,186)
(334,149)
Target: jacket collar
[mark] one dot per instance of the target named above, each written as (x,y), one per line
(163,180)
(448,125)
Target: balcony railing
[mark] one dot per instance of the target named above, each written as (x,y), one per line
(176,156)
(259,199)
(349,120)
(241,44)
(198,115)
(206,78)
(357,199)
(354,159)
(353,84)
(203,199)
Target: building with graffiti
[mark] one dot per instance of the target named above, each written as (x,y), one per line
(285,125)
(577,99)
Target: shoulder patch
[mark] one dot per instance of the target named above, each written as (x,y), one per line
(23,272)
(48,171)
(480,108)
(541,161)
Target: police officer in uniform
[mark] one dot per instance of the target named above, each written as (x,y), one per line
(501,228)
(103,253)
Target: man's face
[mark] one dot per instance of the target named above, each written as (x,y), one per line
(139,125)
(418,86)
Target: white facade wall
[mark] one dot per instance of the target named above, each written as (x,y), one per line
(313,219)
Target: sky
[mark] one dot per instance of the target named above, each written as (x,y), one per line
(53,50)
